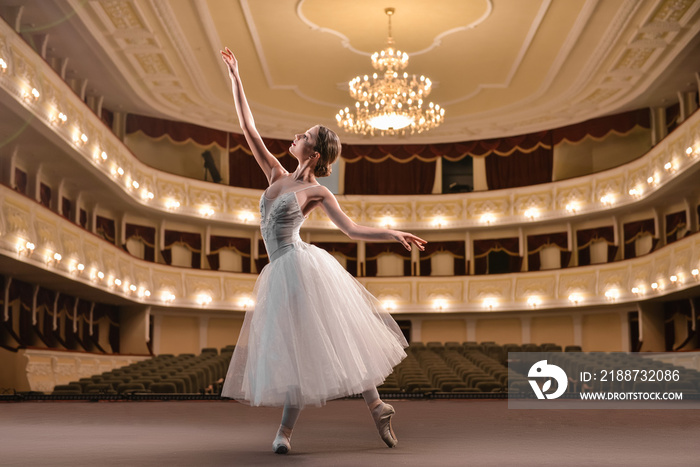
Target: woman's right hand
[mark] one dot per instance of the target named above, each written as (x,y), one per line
(230,61)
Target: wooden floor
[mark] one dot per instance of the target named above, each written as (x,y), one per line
(431,433)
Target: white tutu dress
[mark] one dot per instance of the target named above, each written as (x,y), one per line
(316,333)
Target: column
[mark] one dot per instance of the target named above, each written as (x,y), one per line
(479,168)
(416,330)
(658,124)
(578,330)
(625,332)
(437,184)
(157,326)
(471,329)
(525,328)
(203,332)
(687,103)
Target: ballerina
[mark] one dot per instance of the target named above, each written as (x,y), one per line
(315,333)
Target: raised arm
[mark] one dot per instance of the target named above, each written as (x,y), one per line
(267,162)
(330,206)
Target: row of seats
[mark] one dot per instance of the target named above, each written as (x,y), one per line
(453,367)
(164,374)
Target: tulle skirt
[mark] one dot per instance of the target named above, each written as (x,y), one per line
(315,334)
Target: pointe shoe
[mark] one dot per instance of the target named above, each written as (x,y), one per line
(383,422)
(281,444)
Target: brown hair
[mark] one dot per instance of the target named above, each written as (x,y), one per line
(328,147)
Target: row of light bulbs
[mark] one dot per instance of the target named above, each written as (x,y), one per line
(51,258)
(439,304)
(534,301)
(204,299)
(24,247)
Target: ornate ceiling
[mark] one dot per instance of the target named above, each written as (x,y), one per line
(499,67)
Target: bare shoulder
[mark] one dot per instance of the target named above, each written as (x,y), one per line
(321,192)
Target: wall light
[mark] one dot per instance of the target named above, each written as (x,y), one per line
(3,65)
(172,203)
(204,299)
(607,199)
(439,304)
(534,301)
(389,305)
(245,216)
(532,213)
(168,297)
(575,298)
(573,207)
(206,211)
(612,294)
(487,218)
(490,303)
(58,118)
(438,222)
(387,222)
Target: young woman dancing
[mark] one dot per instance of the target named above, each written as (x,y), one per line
(316,333)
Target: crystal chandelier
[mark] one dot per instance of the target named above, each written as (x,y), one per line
(389,103)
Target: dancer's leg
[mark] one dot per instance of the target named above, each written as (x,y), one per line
(381,413)
(290,415)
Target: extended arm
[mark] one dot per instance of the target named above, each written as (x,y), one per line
(360,232)
(267,162)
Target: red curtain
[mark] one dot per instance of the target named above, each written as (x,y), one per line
(105,228)
(634,230)
(237,244)
(389,177)
(584,239)
(177,131)
(454,248)
(673,113)
(519,169)
(45,195)
(535,244)
(245,172)
(674,223)
(147,235)
(20,181)
(374,250)
(190,240)
(496,256)
(67,209)
(107,117)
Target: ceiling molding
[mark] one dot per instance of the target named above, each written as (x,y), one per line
(437,40)
(518,60)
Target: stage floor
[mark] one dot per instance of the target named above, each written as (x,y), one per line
(431,433)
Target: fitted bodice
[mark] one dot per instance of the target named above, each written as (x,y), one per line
(280,221)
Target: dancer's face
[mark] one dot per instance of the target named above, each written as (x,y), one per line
(303,145)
